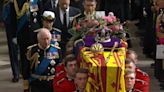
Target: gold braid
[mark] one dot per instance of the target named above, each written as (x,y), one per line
(32,58)
(24,9)
(5,2)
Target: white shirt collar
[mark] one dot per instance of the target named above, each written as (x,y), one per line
(61,15)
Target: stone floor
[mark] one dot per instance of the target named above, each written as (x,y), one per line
(5,71)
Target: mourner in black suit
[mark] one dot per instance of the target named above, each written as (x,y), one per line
(77,4)
(116,6)
(49,4)
(10,26)
(65,15)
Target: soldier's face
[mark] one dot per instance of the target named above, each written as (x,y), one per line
(133,57)
(81,80)
(64,4)
(47,24)
(44,40)
(129,81)
(89,6)
(71,68)
(131,65)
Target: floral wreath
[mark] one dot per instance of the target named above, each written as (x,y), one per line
(89,26)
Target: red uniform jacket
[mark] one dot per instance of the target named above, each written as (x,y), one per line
(142,81)
(64,85)
(61,83)
(60,72)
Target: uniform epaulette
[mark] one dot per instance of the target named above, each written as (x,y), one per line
(56,46)
(77,41)
(144,73)
(75,19)
(142,81)
(77,15)
(61,64)
(32,46)
(59,73)
(60,81)
(56,29)
(137,90)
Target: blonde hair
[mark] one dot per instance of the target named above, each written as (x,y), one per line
(129,71)
(132,52)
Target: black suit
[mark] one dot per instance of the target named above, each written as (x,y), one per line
(49,4)
(10,25)
(115,6)
(65,36)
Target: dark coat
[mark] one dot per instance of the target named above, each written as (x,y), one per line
(65,36)
(58,24)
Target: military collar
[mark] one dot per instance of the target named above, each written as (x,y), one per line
(42,47)
(78,90)
(49,29)
(69,78)
(130,90)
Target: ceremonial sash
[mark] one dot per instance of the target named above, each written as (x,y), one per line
(43,65)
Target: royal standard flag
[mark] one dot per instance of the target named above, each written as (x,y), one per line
(106,75)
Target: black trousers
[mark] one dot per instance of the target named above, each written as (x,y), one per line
(159,71)
(23,38)
(10,25)
(13,51)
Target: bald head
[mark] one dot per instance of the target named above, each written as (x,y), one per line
(64,4)
(44,37)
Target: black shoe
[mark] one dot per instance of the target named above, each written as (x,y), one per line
(15,79)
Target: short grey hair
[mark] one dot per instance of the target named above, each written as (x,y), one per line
(43,31)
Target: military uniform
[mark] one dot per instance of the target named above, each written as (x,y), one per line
(64,85)
(10,26)
(56,35)
(142,81)
(26,20)
(60,72)
(41,67)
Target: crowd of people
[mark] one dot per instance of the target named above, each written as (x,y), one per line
(38,32)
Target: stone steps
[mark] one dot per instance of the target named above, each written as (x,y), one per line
(3,40)
(3,49)
(4,55)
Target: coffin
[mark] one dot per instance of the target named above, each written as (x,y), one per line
(106,75)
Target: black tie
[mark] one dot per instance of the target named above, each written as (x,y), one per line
(65,19)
